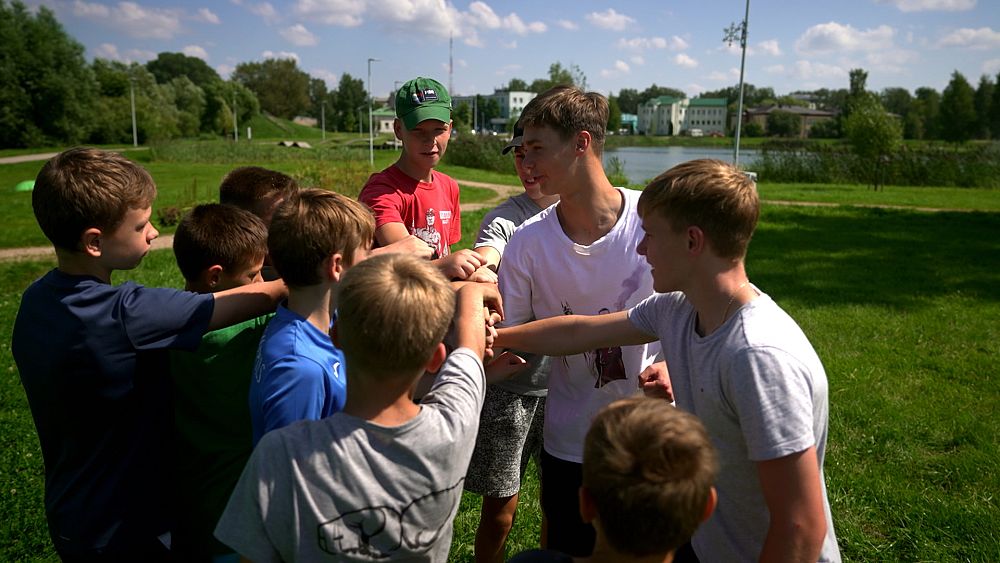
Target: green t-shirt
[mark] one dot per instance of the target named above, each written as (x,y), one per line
(212,432)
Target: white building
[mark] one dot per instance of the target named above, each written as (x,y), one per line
(511,103)
(667,115)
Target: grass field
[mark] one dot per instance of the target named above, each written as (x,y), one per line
(902,306)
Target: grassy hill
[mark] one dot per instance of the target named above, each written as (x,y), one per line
(269,127)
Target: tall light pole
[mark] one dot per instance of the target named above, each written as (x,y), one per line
(371,134)
(739,32)
(322,118)
(131,90)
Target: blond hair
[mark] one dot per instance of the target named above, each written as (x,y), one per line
(214,233)
(83,188)
(392,312)
(713,195)
(309,227)
(649,468)
(569,110)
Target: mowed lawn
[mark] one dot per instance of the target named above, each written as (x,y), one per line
(903,308)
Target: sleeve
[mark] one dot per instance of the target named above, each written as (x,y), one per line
(643,315)
(494,232)
(297,392)
(157,318)
(242,524)
(460,387)
(515,284)
(770,392)
(383,200)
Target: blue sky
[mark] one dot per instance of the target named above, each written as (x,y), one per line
(621,44)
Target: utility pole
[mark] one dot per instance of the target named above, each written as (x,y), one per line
(739,32)
(322,117)
(236,128)
(131,89)
(371,134)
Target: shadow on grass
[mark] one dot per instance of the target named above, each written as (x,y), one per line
(849,255)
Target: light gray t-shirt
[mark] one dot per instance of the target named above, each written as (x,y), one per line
(761,391)
(495,231)
(345,489)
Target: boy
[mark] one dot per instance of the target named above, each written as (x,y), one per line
(91,357)
(315,236)
(737,361)
(410,197)
(217,247)
(510,429)
(647,483)
(382,478)
(575,257)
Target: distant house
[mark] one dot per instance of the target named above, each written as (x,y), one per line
(808,117)
(382,120)
(630,122)
(510,102)
(667,115)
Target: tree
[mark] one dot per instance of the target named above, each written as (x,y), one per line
(189,100)
(560,76)
(655,91)
(983,101)
(281,88)
(874,134)
(900,102)
(752,95)
(350,96)
(461,117)
(923,117)
(517,85)
(317,96)
(48,90)
(783,124)
(957,120)
(614,114)
(994,116)
(628,100)
(168,66)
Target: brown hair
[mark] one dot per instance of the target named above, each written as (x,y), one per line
(392,312)
(710,194)
(311,225)
(83,188)
(649,468)
(254,188)
(569,110)
(213,234)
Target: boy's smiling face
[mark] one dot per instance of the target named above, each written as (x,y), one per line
(547,158)
(426,143)
(125,246)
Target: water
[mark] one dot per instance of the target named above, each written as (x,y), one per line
(645,163)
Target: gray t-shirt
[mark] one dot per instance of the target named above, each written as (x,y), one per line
(345,489)
(761,391)
(495,231)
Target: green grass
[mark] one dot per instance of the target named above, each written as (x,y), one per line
(904,310)
(909,196)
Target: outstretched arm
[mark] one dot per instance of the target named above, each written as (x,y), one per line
(246,302)
(572,334)
(793,493)
(473,301)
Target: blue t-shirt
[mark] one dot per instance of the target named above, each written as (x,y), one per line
(91,357)
(298,375)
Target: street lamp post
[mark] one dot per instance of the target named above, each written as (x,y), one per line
(131,90)
(322,118)
(733,33)
(371,134)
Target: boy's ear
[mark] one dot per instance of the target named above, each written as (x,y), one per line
(211,276)
(90,242)
(696,240)
(583,140)
(437,359)
(588,510)
(713,499)
(334,266)
(397,128)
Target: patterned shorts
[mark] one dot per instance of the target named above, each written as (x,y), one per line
(510,432)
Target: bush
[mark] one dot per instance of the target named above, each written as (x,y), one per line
(479,151)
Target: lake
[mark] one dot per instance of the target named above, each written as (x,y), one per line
(645,163)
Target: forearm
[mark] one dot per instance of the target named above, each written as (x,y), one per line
(793,492)
(793,540)
(490,256)
(572,334)
(246,302)
(470,322)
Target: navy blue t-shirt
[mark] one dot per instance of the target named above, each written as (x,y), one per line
(91,357)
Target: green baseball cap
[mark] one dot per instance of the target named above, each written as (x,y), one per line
(421,99)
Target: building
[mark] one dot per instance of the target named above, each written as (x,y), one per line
(807,117)
(382,120)
(667,115)
(510,103)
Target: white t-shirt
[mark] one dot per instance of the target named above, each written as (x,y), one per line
(545,274)
(345,489)
(761,391)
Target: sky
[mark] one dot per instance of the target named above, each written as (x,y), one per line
(801,45)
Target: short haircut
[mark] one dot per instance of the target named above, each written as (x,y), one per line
(649,468)
(711,194)
(250,187)
(569,110)
(214,233)
(311,225)
(83,188)
(392,312)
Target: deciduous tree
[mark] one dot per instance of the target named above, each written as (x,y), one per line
(957,120)
(281,88)
(874,135)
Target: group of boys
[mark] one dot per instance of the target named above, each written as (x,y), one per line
(286,412)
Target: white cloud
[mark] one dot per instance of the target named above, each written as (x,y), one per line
(132,18)
(728,76)
(508,69)
(610,20)
(566,24)
(637,60)
(509,44)
(980,39)
(808,70)
(685,61)
(299,36)
(931,5)
(775,69)
(110,51)
(207,16)
(695,88)
(991,66)
(769,47)
(195,51)
(675,43)
(480,15)
(330,78)
(620,67)
(833,37)
(265,10)
(893,60)
(280,55)
(224,70)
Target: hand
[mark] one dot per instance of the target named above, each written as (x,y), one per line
(504,366)
(410,244)
(484,275)
(655,382)
(492,318)
(460,264)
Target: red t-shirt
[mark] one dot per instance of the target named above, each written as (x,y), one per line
(428,210)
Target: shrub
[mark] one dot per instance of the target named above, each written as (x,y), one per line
(479,151)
